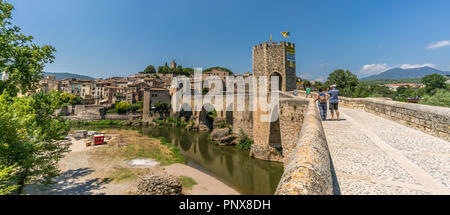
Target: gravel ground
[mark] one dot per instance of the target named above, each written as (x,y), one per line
(373,155)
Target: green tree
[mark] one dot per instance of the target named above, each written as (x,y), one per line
(306,84)
(30,133)
(163,109)
(178,70)
(440,98)
(188,71)
(164,69)
(205,90)
(6,174)
(160,69)
(67,98)
(344,80)
(149,70)
(361,91)
(218,68)
(434,81)
(122,107)
(136,106)
(23,60)
(418,92)
(30,130)
(318,84)
(402,89)
(382,91)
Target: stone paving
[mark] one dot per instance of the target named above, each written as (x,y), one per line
(373,155)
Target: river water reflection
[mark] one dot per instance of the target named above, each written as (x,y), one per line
(233,166)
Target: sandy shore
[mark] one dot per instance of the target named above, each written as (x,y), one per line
(206,184)
(84,174)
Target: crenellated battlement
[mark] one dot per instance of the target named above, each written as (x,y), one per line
(281,44)
(276,58)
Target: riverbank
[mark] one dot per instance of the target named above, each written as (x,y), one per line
(106,169)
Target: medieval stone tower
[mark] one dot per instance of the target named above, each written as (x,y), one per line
(273,59)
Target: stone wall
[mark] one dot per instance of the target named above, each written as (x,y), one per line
(88,113)
(111,116)
(151,98)
(274,141)
(429,119)
(243,121)
(291,120)
(432,120)
(308,170)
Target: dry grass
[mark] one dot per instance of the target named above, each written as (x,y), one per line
(187,182)
(109,160)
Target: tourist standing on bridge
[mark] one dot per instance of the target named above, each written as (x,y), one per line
(308,91)
(334,101)
(322,97)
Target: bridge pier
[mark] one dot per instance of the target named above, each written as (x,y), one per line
(276,140)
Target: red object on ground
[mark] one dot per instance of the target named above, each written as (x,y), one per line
(99,139)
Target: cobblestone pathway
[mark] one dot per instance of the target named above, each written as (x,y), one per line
(373,155)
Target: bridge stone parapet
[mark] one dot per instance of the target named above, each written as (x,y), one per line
(432,120)
(308,170)
(429,119)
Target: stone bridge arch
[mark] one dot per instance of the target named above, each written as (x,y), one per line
(280,80)
(186,111)
(229,114)
(206,115)
(275,139)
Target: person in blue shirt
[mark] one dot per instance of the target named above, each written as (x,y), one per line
(334,101)
(322,98)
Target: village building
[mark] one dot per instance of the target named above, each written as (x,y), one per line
(173,65)
(158,95)
(394,87)
(48,84)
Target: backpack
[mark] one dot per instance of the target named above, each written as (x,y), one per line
(322,98)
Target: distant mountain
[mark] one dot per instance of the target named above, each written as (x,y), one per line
(398,73)
(61,76)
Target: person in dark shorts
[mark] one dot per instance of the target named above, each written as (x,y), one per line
(322,97)
(334,101)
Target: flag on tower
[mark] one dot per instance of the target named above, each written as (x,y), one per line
(286,34)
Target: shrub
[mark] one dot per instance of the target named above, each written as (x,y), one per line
(223,125)
(159,122)
(187,182)
(245,142)
(70,99)
(136,106)
(441,98)
(122,107)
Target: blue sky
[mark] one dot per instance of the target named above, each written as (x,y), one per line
(103,38)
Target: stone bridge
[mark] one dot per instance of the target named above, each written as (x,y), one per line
(378,147)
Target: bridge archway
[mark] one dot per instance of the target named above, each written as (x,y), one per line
(275,130)
(280,80)
(186,111)
(229,115)
(207,115)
